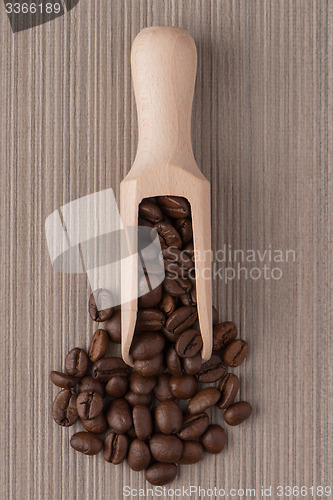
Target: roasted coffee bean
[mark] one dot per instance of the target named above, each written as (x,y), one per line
(105,368)
(150,367)
(182,319)
(190,298)
(117,386)
(138,399)
(214,439)
(150,211)
(223,334)
(188,343)
(119,416)
(168,417)
(167,304)
(90,383)
(215,316)
(160,473)
(191,366)
(89,404)
(131,433)
(212,370)
(171,336)
(184,228)
(138,457)
(235,352)
(189,249)
(174,206)
(176,285)
(98,345)
(144,222)
(64,408)
(183,387)
(86,443)
(113,327)
(142,422)
(237,413)
(193,426)
(173,362)
(203,400)
(193,452)
(147,345)
(96,425)
(228,386)
(115,448)
(63,380)
(162,390)
(101,305)
(140,384)
(168,235)
(176,262)
(76,362)
(150,320)
(150,291)
(166,448)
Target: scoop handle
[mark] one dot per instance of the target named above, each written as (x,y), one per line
(164,64)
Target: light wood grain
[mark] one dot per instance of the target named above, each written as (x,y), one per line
(262,134)
(164,65)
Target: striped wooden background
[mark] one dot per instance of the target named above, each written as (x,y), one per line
(263,135)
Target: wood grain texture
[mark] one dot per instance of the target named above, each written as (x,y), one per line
(262,134)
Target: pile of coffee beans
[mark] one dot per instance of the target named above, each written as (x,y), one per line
(156,415)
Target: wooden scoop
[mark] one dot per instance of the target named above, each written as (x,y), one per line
(164,62)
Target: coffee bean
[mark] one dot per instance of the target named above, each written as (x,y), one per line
(176,262)
(76,362)
(113,327)
(166,448)
(138,399)
(237,413)
(212,370)
(223,334)
(171,336)
(189,249)
(150,211)
(228,386)
(89,404)
(150,367)
(115,448)
(203,400)
(193,453)
(96,425)
(101,305)
(150,319)
(162,390)
(99,345)
(89,383)
(168,417)
(188,343)
(119,416)
(175,285)
(142,422)
(86,443)
(131,433)
(184,228)
(168,235)
(191,366)
(64,408)
(167,304)
(160,473)
(181,319)
(183,387)
(117,386)
(190,298)
(150,291)
(63,380)
(147,345)
(144,222)
(140,384)
(174,206)
(193,426)
(215,316)
(235,352)
(138,457)
(173,362)
(214,439)
(105,368)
